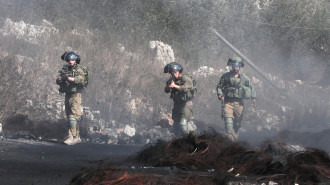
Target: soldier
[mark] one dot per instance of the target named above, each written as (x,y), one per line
(182,89)
(71,82)
(232,88)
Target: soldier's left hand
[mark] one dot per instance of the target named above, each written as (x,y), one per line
(64,77)
(172,85)
(254,102)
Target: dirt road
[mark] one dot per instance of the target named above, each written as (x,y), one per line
(48,163)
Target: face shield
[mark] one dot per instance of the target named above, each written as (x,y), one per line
(71,57)
(236,67)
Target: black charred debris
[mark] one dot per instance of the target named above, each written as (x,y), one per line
(212,159)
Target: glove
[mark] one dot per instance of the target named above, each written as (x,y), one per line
(220,97)
(64,77)
(254,102)
(167,89)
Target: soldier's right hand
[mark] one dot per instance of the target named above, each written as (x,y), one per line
(167,89)
(254,102)
(221,97)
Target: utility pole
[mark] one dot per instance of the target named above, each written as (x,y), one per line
(245,59)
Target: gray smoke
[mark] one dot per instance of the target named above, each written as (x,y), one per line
(288,40)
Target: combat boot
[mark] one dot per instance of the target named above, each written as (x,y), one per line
(69,140)
(237,126)
(231,136)
(76,140)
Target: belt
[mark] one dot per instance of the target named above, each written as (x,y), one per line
(76,95)
(73,95)
(233,99)
(189,102)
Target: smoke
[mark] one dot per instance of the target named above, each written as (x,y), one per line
(289,40)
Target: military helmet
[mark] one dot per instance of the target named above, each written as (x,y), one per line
(67,56)
(235,61)
(173,66)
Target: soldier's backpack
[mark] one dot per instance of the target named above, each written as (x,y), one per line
(86,76)
(193,91)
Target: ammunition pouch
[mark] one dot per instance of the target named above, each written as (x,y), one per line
(238,92)
(190,94)
(237,89)
(245,92)
(62,89)
(178,97)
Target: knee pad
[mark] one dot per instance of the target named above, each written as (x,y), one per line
(180,127)
(72,122)
(229,124)
(184,126)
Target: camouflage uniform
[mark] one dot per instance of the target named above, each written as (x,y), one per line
(182,110)
(73,101)
(234,90)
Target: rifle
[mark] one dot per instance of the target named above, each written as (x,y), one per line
(63,73)
(223,109)
(169,81)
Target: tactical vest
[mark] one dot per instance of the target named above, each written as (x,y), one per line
(180,96)
(72,87)
(237,87)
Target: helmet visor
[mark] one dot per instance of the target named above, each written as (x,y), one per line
(236,64)
(71,57)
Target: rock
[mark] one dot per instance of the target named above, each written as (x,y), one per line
(164,123)
(205,71)
(272,183)
(29,32)
(130,131)
(161,52)
(123,139)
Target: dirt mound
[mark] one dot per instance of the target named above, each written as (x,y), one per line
(212,159)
